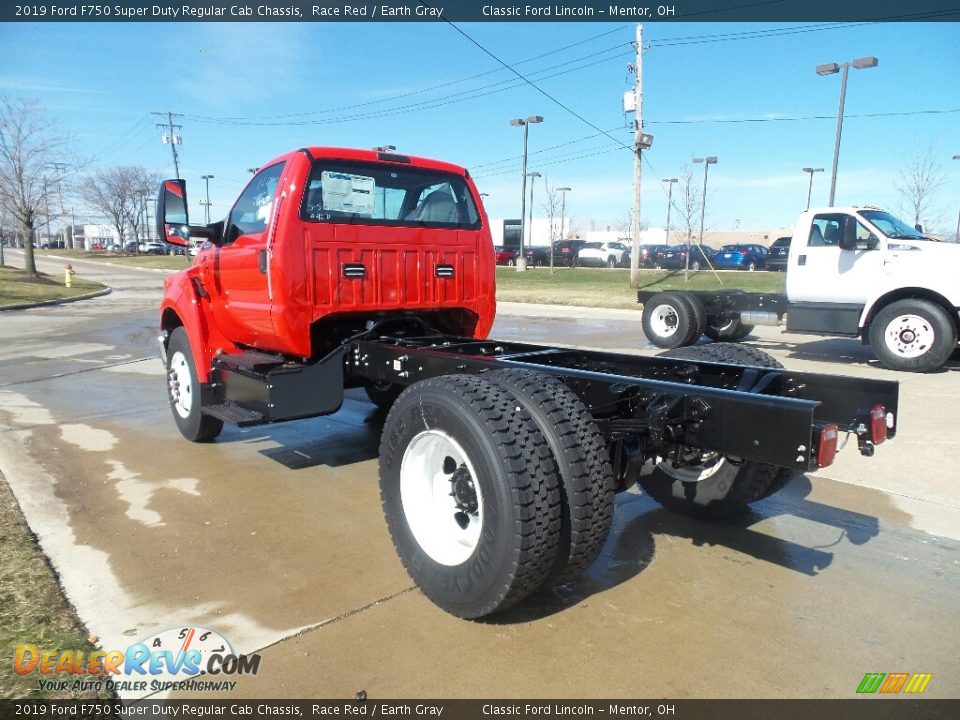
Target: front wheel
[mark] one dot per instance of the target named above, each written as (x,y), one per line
(913,335)
(183,388)
(470,493)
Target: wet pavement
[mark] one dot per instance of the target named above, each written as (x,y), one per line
(274,536)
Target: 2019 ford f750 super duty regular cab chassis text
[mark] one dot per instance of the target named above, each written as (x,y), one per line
(499,461)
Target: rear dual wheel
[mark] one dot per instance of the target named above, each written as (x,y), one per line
(708,484)
(673,319)
(492,486)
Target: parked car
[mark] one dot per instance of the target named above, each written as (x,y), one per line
(647,255)
(608,254)
(564,254)
(153,248)
(778,253)
(505,256)
(674,257)
(741,257)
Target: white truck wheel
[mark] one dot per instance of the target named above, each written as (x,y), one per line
(913,335)
(470,493)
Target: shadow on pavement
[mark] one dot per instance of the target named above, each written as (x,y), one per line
(638,521)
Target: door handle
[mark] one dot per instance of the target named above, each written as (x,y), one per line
(802,260)
(263,262)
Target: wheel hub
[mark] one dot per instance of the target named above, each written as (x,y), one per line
(464,492)
(909,336)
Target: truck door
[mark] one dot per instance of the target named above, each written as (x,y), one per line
(823,271)
(241,299)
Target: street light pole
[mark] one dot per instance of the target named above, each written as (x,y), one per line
(670,182)
(533,178)
(207,179)
(707,162)
(810,188)
(525,124)
(832,69)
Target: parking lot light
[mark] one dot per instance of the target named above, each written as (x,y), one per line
(525,124)
(832,69)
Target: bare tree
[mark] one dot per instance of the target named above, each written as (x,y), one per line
(551,205)
(31,168)
(918,183)
(689,199)
(120,193)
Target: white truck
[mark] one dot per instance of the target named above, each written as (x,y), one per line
(852,272)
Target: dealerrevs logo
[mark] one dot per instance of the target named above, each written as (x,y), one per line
(167,660)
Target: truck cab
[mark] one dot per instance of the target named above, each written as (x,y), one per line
(323,241)
(848,265)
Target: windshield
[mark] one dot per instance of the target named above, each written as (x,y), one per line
(374,194)
(891,226)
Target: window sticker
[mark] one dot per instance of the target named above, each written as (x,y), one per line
(343,192)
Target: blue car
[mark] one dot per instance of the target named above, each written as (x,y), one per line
(741,257)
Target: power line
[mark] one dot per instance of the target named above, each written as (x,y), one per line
(440,86)
(799,118)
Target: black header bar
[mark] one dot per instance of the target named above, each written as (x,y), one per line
(623,11)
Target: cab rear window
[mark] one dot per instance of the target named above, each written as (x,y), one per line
(375,194)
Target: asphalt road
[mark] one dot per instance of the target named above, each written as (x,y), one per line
(274,536)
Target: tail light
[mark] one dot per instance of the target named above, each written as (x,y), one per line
(878,424)
(827,444)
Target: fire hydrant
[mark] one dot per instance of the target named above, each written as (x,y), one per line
(68,275)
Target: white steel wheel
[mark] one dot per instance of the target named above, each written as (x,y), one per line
(909,336)
(714,477)
(442,502)
(181,385)
(664,320)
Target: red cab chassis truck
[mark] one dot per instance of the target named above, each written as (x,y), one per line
(499,461)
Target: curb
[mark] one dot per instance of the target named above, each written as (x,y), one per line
(58,301)
(113,264)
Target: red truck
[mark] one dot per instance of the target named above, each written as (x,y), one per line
(499,461)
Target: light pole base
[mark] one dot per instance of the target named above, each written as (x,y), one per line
(521,264)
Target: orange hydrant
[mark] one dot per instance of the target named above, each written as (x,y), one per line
(68,275)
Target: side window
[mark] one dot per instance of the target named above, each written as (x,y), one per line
(826,230)
(863,237)
(252,210)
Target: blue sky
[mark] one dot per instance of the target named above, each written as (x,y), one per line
(428,90)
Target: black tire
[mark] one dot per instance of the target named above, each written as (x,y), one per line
(698,316)
(751,266)
(499,455)
(511,262)
(729,485)
(913,335)
(383,395)
(611,262)
(583,464)
(695,266)
(668,319)
(183,391)
(727,330)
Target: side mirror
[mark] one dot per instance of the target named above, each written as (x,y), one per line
(172,219)
(847,243)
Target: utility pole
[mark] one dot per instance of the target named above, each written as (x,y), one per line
(171,136)
(641,142)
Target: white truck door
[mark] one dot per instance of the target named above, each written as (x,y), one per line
(821,271)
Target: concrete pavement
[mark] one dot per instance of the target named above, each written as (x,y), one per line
(274,537)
